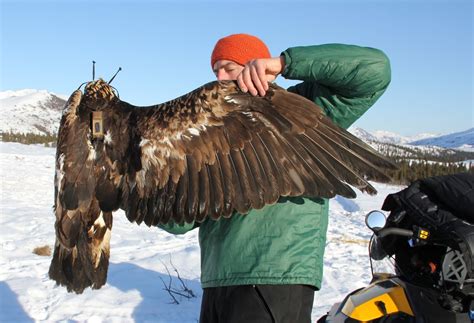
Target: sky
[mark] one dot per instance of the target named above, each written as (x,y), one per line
(164,48)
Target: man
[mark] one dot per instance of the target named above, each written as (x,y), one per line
(266,265)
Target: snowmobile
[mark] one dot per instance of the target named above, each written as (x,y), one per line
(428,238)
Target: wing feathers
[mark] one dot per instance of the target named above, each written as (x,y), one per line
(268,172)
(204,194)
(169,200)
(193,189)
(255,193)
(281,177)
(180,206)
(289,177)
(228,188)
(204,155)
(217,150)
(328,155)
(240,181)
(217,190)
(257,181)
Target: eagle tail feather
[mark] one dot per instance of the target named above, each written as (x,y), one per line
(85,264)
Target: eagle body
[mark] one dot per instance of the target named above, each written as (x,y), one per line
(206,154)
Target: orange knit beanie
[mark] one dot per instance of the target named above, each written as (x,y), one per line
(239,48)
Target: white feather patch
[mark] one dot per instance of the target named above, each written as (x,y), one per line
(250,115)
(230,99)
(100,220)
(108,138)
(197,131)
(104,245)
(92,153)
(193,131)
(143,142)
(60,170)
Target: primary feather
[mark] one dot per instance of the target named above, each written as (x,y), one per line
(208,153)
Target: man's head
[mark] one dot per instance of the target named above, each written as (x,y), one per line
(231,53)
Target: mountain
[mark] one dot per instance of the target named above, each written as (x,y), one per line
(387,136)
(363,134)
(420,147)
(463,140)
(30,111)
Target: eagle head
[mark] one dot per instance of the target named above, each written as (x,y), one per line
(98,94)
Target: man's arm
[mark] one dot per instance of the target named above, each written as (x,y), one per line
(345,80)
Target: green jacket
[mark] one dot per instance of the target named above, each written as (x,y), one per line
(284,243)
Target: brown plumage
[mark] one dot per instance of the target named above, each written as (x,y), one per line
(206,154)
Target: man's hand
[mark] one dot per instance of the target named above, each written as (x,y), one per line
(257,73)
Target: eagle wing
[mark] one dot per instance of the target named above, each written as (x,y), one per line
(206,154)
(216,150)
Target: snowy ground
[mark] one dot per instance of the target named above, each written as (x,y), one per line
(140,255)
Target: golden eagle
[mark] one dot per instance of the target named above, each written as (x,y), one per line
(206,154)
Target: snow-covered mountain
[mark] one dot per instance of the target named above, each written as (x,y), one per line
(363,134)
(460,140)
(388,137)
(30,111)
(463,140)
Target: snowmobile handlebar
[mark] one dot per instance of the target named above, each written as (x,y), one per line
(376,221)
(394,231)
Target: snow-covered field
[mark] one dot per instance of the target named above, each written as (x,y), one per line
(140,256)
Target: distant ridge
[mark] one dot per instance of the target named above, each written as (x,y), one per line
(463,140)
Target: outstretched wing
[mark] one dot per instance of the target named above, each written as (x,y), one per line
(216,150)
(206,154)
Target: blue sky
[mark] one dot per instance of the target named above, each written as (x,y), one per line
(164,48)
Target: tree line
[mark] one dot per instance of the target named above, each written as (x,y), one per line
(411,170)
(48,140)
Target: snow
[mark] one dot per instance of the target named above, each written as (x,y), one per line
(140,255)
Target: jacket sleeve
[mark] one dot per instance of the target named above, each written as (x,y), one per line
(345,80)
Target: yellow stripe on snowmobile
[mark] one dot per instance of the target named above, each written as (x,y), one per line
(376,301)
